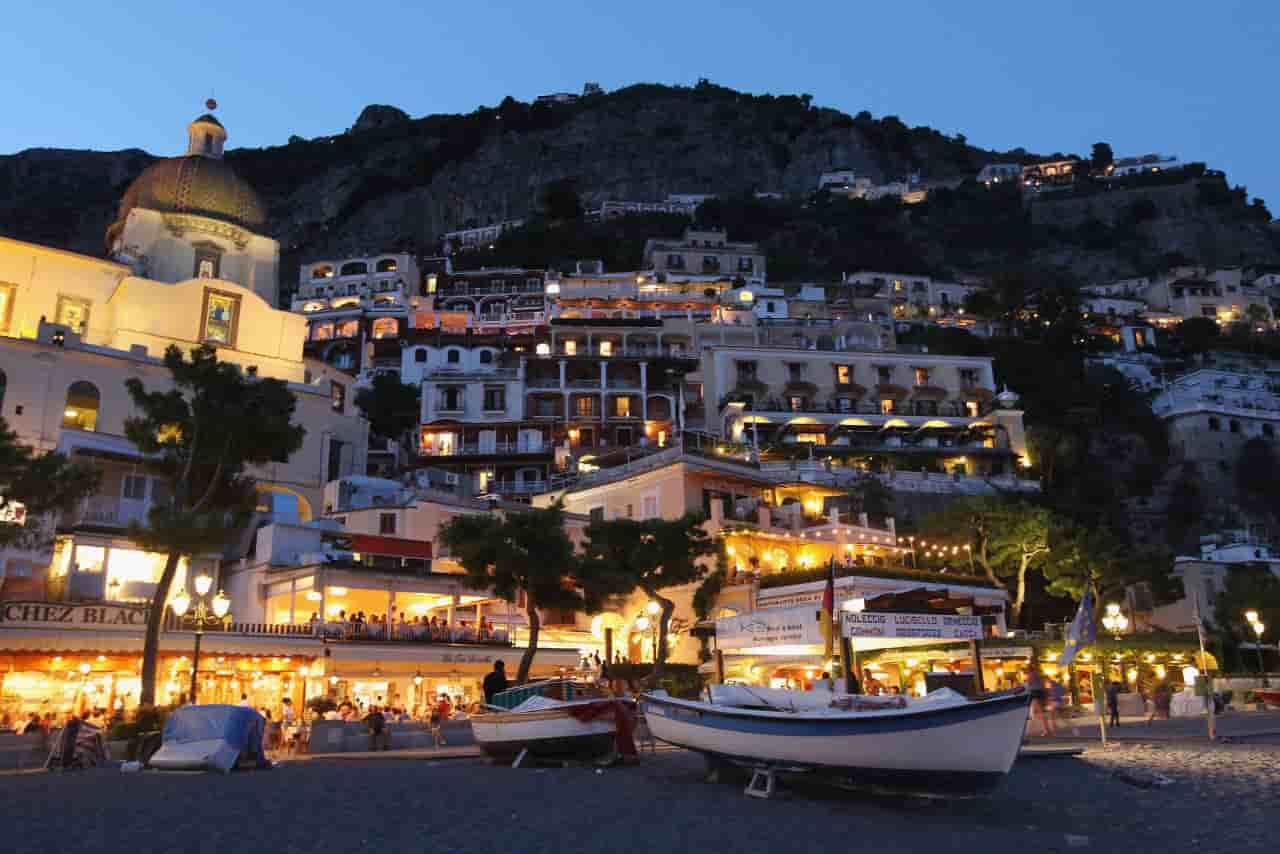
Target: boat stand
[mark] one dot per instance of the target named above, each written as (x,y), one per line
(763,785)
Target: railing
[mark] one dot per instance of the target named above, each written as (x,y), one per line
(115,512)
(518,487)
(336,630)
(447,374)
(477,449)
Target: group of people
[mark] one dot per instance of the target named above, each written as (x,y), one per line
(386,627)
(1047,699)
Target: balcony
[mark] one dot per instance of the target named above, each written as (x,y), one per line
(109,512)
(341,631)
(493,448)
(518,487)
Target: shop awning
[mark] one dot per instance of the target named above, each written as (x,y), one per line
(107,641)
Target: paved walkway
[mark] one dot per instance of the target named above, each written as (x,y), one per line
(461,751)
(1232,725)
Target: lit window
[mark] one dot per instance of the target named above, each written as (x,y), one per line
(347,329)
(887,406)
(81,411)
(571,348)
(922,376)
(972,409)
(622,407)
(221,314)
(844,374)
(74,314)
(606,348)
(543,349)
(385,327)
(321,331)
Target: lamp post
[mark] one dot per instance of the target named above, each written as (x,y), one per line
(208,611)
(1115,622)
(1255,623)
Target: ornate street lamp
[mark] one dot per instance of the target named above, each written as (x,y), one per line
(208,611)
(1114,621)
(1255,623)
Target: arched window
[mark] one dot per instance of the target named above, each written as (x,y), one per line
(386,265)
(386,327)
(453,357)
(420,354)
(486,357)
(354,268)
(324,271)
(81,411)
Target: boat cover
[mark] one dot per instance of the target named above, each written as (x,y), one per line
(209,738)
(750,696)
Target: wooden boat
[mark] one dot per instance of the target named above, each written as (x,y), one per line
(1270,697)
(943,742)
(556,719)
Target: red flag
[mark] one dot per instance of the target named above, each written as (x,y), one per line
(828,609)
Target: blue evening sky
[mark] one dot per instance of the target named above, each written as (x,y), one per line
(1188,78)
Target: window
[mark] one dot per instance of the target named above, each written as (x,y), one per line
(73,313)
(972,409)
(746,370)
(844,374)
(631,511)
(884,374)
(386,327)
(347,329)
(323,271)
(81,411)
(1267,429)
(675,262)
(337,396)
(596,514)
(795,371)
(335,459)
(649,507)
(220,317)
(134,488)
(386,523)
(486,357)
(451,399)
(746,265)
(622,407)
(710,263)
(1214,423)
(585,407)
(1235,426)
(354,268)
(968,377)
(770,306)
(571,348)
(795,404)
(453,357)
(7,295)
(420,355)
(495,399)
(922,376)
(844,404)
(321,331)
(887,406)
(606,348)
(386,265)
(208,260)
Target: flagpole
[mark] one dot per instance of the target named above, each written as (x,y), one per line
(1208,679)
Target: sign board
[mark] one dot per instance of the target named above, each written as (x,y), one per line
(1007,652)
(43,615)
(771,627)
(873,624)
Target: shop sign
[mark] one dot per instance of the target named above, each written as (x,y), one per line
(772,627)
(1007,652)
(872,624)
(40,615)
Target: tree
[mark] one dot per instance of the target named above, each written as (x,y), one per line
(1197,334)
(1101,157)
(1185,511)
(390,405)
(199,438)
(1006,538)
(41,484)
(1257,315)
(869,495)
(560,200)
(623,555)
(1257,473)
(520,551)
(1249,587)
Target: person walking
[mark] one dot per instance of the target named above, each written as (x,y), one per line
(1036,690)
(1052,703)
(1113,703)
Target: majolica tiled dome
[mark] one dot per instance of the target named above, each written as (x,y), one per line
(199,183)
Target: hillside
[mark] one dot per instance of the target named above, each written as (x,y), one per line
(394,182)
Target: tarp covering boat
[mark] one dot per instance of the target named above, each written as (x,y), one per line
(211,738)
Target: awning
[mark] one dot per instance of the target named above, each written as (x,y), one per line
(106,641)
(395,546)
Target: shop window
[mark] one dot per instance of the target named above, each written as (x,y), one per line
(321,331)
(73,313)
(81,411)
(347,329)
(385,327)
(7,295)
(220,318)
(90,558)
(386,523)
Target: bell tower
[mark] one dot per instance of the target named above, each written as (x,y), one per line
(206,135)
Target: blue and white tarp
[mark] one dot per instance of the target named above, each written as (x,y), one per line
(211,738)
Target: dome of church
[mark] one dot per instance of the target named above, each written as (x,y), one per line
(199,183)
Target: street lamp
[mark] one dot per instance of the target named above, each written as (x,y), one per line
(1255,623)
(208,611)
(1114,621)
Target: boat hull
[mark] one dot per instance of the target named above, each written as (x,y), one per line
(546,733)
(959,749)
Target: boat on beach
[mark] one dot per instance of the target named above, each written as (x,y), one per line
(942,742)
(555,719)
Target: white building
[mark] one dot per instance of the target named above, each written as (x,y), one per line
(1143,164)
(470,238)
(1204,577)
(999,173)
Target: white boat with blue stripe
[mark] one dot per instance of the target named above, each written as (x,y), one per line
(942,742)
